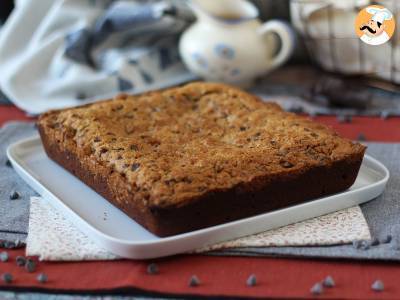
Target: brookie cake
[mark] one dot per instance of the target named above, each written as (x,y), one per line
(203,154)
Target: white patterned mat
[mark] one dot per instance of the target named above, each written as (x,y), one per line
(52,237)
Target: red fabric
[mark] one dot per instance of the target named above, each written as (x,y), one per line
(278,278)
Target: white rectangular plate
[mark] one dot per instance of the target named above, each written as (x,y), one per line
(121,235)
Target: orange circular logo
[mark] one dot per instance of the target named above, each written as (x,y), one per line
(375,25)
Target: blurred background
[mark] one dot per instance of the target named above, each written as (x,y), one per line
(62,53)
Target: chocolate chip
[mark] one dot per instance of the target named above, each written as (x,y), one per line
(252,280)
(3,256)
(14,195)
(119,157)
(30,265)
(134,148)
(286,164)
(317,289)
(344,119)
(328,282)
(8,163)
(385,114)
(361,137)
(97,139)
(242,128)
(152,269)
(42,278)
(7,277)
(378,286)
(103,150)
(9,245)
(357,244)
(135,166)
(194,281)
(20,260)
(386,240)
(375,242)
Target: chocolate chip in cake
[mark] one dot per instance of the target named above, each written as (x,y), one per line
(194,281)
(135,166)
(317,289)
(252,280)
(286,164)
(3,256)
(42,278)
(328,282)
(20,260)
(134,147)
(378,286)
(152,269)
(14,195)
(7,278)
(386,239)
(375,242)
(8,163)
(103,150)
(30,265)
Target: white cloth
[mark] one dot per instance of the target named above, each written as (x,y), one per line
(328,27)
(52,237)
(37,72)
(375,40)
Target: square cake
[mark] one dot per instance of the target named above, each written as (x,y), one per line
(199,155)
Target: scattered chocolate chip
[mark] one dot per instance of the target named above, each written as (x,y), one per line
(135,166)
(134,148)
(385,114)
(3,256)
(344,119)
(14,195)
(365,245)
(328,282)
(7,277)
(20,260)
(252,280)
(357,244)
(42,278)
(152,269)
(30,265)
(81,96)
(317,289)
(375,242)
(361,137)
(103,150)
(378,286)
(286,164)
(97,139)
(194,281)
(242,128)
(8,163)
(386,240)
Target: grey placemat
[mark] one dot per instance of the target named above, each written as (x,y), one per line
(14,214)
(382,214)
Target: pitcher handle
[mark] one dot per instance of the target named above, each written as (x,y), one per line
(286,35)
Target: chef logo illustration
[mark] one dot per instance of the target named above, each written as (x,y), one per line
(375,25)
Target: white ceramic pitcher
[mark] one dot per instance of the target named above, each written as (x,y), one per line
(228,43)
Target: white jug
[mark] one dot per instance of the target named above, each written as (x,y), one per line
(228,43)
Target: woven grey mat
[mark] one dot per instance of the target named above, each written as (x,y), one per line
(382,214)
